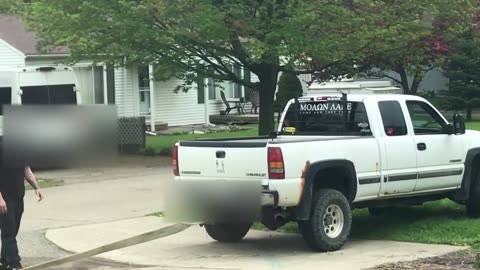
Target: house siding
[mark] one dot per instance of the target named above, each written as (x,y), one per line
(125,92)
(9,57)
(177,109)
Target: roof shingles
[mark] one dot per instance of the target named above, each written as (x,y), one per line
(13,31)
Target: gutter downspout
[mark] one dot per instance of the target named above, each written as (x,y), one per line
(19,90)
(105,84)
(206,101)
(124,113)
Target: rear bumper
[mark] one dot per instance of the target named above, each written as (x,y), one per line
(269,198)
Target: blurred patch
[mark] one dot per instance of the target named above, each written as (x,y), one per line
(59,135)
(208,201)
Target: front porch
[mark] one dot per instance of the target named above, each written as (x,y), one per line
(237,119)
(159,126)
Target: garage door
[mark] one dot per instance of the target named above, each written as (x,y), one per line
(5,97)
(53,94)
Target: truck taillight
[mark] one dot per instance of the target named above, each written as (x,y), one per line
(175,161)
(276,168)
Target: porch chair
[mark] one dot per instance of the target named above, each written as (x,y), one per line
(227,104)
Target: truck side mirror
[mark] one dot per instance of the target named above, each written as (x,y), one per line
(458,124)
(450,129)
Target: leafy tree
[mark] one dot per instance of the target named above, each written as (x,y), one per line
(463,70)
(203,38)
(409,65)
(289,86)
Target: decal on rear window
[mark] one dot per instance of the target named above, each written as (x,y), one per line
(330,117)
(323,107)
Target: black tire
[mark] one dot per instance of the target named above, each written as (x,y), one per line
(315,233)
(227,232)
(473,203)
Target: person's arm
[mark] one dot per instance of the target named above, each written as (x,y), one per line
(3,205)
(32,180)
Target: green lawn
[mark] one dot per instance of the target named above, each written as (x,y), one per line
(163,144)
(475,125)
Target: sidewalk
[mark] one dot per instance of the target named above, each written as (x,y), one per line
(259,250)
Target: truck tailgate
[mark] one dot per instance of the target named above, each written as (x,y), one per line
(223,160)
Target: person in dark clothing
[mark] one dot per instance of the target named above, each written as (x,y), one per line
(12,192)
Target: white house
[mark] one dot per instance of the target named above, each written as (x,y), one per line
(28,76)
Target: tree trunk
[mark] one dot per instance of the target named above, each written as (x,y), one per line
(417,79)
(469,113)
(404,80)
(268,76)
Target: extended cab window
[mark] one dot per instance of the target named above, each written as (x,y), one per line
(327,118)
(425,119)
(392,117)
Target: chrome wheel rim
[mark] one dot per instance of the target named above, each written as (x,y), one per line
(333,221)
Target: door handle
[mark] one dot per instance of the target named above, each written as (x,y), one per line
(421,146)
(220,154)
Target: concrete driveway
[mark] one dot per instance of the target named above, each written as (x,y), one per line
(130,188)
(259,250)
(101,206)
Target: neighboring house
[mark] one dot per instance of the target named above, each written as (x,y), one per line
(28,76)
(434,80)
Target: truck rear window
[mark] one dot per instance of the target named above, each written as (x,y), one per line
(326,118)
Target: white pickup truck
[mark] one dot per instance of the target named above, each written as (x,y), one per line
(332,154)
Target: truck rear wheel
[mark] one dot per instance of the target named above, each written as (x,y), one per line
(473,203)
(227,232)
(330,221)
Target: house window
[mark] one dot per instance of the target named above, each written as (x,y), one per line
(247,77)
(212,95)
(231,90)
(98,79)
(110,84)
(237,88)
(201,90)
(144,89)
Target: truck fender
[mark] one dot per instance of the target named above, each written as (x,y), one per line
(304,207)
(464,193)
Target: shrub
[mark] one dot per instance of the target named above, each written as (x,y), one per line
(289,86)
(149,151)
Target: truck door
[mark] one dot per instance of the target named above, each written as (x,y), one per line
(399,155)
(440,156)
